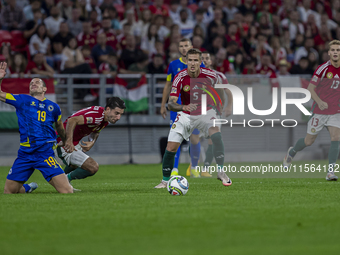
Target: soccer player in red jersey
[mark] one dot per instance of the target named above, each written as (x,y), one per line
(87,122)
(325,91)
(189,114)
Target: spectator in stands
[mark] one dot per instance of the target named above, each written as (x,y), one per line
(156,66)
(86,37)
(109,32)
(305,10)
(198,31)
(302,67)
(101,50)
(303,51)
(110,66)
(12,17)
(53,22)
(32,25)
(250,66)
(208,14)
(72,60)
(238,65)
(74,23)
(96,26)
(173,53)
(63,36)
(47,5)
(140,66)
(265,67)
(159,46)
(213,25)
(18,66)
(158,8)
(141,27)
(278,52)
(130,53)
(84,15)
(323,37)
(39,66)
(183,5)
(277,29)
(293,25)
(105,4)
(186,26)
(65,7)
(41,43)
(113,15)
(323,57)
(148,42)
(173,10)
(122,37)
(29,9)
(331,25)
(92,5)
(86,51)
(230,9)
(221,63)
(5,52)
(163,31)
(233,34)
(129,18)
(313,60)
(265,12)
(283,68)
(216,45)
(246,7)
(197,42)
(199,16)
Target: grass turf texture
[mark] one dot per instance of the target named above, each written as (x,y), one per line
(119,212)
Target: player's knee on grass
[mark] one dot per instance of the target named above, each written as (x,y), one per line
(12,187)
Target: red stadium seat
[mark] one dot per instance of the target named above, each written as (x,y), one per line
(5,36)
(19,41)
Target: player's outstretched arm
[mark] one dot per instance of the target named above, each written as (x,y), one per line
(322,105)
(3,66)
(175,107)
(61,131)
(166,93)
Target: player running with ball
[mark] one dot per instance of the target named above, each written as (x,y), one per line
(189,115)
(325,91)
(87,122)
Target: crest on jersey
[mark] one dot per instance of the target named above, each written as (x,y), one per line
(186,88)
(329,75)
(313,130)
(315,78)
(173,126)
(50,108)
(174,90)
(33,103)
(89,120)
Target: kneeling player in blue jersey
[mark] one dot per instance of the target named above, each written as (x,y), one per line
(36,116)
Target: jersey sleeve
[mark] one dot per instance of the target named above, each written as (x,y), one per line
(94,115)
(316,77)
(176,86)
(57,113)
(170,73)
(15,100)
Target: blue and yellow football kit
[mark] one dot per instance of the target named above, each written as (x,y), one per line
(37,137)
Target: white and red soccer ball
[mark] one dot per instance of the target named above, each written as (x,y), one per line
(178,185)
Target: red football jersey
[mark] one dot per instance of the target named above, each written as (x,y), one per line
(326,78)
(93,122)
(191,90)
(96,27)
(86,39)
(110,37)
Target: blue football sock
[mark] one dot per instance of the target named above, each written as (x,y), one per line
(195,151)
(27,187)
(177,157)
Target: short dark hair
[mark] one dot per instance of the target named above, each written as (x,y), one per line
(112,54)
(114,102)
(44,84)
(194,51)
(205,52)
(86,47)
(185,40)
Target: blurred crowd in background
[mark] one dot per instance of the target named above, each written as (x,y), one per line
(271,37)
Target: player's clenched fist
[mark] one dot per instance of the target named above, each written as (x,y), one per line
(189,107)
(69,147)
(323,105)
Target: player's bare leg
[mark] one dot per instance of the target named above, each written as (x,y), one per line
(218,150)
(14,187)
(194,142)
(333,153)
(168,162)
(88,168)
(61,184)
(299,146)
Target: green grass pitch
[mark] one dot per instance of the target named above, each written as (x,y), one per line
(119,212)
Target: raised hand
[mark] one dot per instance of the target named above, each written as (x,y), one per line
(3,67)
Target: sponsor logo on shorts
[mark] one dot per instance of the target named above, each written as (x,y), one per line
(186,88)
(313,130)
(50,108)
(89,120)
(329,75)
(174,90)
(315,78)
(173,126)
